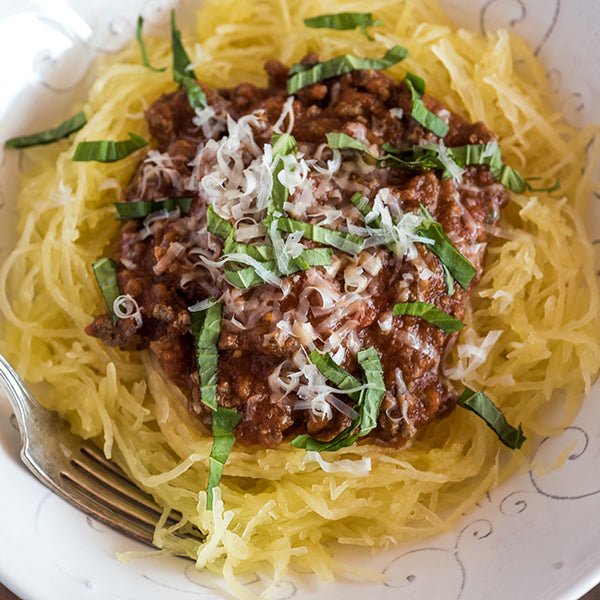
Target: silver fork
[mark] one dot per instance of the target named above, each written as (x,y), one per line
(77,470)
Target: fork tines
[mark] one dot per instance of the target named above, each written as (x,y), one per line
(114,499)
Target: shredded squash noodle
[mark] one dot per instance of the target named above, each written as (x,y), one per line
(531,341)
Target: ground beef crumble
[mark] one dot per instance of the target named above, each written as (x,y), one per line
(158,268)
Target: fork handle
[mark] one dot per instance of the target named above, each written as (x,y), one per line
(22,402)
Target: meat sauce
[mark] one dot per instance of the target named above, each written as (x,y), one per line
(164,262)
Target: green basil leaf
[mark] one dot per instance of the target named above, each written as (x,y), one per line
(416,158)
(365,209)
(491,155)
(142,208)
(336,374)
(447,323)
(347,242)
(195,93)
(283,144)
(370,402)
(202,305)
(344,439)
(510,179)
(420,113)
(105,272)
(313,257)
(317,257)
(248,276)
(224,422)
(343,22)
(301,75)
(555,186)
(426,158)
(181,60)
(138,35)
(261,252)
(217,225)
(342,141)
(106,151)
(410,159)
(460,268)
(66,128)
(343,381)
(182,74)
(206,328)
(448,279)
(483,407)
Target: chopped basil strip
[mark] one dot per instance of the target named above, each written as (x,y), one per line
(143,208)
(182,73)
(195,93)
(460,268)
(71,125)
(483,407)
(447,323)
(105,271)
(368,403)
(365,209)
(217,225)
(301,75)
(181,60)
(343,22)
(202,305)
(106,151)
(416,158)
(491,155)
(342,440)
(363,206)
(317,257)
(347,242)
(505,174)
(552,188)
(224,421)
(420,113)
(448,279)
(265,255)
(138,35)
(261,252)
(336,374)
(429,157)
(249,276)
(342,141)
(313,257)
(283,145)
(206,328)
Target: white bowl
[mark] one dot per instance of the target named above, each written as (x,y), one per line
(532,538)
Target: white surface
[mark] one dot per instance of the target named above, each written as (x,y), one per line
(533,538)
